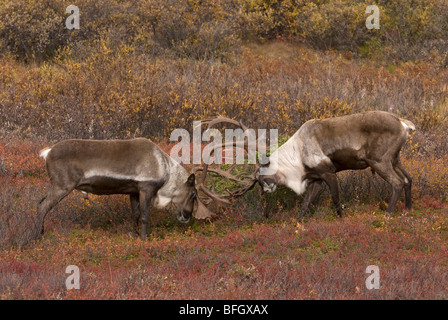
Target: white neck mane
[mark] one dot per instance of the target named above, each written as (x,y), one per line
(290,168)
(177,176)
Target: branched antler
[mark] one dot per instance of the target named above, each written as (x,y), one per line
(241,176)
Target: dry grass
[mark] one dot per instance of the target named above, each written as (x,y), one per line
(122,95)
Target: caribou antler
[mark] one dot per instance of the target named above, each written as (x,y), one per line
(244,179)
(211,122)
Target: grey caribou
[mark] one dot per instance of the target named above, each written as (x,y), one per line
(135,167)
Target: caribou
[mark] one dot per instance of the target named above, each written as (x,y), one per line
(322,147)
(136,167)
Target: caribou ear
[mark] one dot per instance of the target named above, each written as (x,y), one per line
(191,179)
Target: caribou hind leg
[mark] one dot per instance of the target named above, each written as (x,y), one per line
(399,169)
(388,173)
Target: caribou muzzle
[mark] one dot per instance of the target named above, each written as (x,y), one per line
(183,217)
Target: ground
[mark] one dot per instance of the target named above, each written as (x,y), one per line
(237,256)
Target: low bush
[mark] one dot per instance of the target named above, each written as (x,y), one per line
(122,94)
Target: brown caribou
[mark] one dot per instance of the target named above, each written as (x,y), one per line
(321,148)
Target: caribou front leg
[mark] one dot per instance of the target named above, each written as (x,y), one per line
(135,209)
(332,181)
(147,191)
(52,198)
(314,190)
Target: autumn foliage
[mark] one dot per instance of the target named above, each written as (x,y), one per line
(144,68)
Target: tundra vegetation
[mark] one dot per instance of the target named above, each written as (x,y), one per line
(143,68)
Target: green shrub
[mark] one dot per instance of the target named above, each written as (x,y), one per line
(335,24)
(35,30)
(193,29)
(32,29)
(414,29)
(268,19)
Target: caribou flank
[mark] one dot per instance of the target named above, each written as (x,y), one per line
(320,148)
(136,167)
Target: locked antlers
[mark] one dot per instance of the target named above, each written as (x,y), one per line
(240,176)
